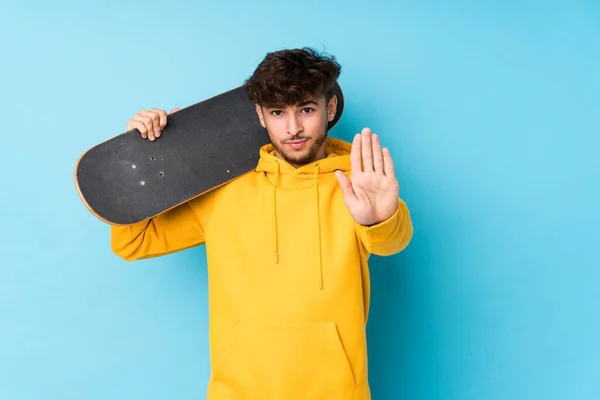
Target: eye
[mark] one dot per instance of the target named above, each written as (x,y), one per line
(276,113)
(307,110)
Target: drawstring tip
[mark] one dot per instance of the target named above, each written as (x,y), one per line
(276,257)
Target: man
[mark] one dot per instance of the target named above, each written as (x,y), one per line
(287,244)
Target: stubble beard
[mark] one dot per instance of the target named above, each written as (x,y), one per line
(301,158)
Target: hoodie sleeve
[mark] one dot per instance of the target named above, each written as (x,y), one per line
(390,236)
(180,228)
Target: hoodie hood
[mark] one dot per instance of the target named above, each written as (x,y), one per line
(337,154)
(283,174)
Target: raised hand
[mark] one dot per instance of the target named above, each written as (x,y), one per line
(371,193)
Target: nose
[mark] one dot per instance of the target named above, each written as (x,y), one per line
(294,125)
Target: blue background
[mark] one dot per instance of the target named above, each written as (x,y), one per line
(491,112)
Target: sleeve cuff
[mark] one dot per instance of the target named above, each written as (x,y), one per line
(383,231)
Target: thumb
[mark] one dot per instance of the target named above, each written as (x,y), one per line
(174,110)
(345,184)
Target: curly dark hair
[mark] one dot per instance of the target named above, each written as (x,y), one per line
(289,77)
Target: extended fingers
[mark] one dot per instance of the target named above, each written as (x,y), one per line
(367,150)
(346,186)
(367,155)
(356,154)
(377,155)
(388,164)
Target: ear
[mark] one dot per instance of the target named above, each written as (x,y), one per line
(332,108)
(261,117)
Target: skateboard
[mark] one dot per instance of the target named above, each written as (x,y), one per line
(128,179)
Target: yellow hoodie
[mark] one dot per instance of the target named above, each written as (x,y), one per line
(288,277)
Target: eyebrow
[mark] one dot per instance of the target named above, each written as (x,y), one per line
(308,102)
(279,106)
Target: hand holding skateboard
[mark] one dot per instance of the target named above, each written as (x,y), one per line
(150,123)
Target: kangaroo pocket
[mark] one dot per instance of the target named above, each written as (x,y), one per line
(280,361)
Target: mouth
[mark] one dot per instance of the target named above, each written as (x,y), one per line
(296,144)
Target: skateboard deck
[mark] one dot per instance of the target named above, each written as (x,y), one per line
(128,179)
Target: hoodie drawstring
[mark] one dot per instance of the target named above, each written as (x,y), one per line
(318,226)
(318,216)
(275,244)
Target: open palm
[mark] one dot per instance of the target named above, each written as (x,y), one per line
(371,193)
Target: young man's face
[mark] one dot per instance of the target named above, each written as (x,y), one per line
(298,132)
